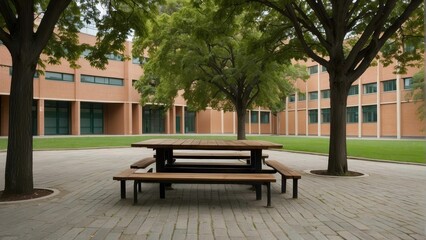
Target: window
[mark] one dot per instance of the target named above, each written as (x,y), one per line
(370,88)
(102,80)
(353,90)
(313,95)
(389,85)
(325,93)
(139,60)
(325,115)
(302,96)
(112,56)
(408,83)
(91,118)
(313,69)
(57,117)
(291,98)
(369,113)
(323,69)
(254,116)
(313,116)
(60,76)
(352,114)
(190,122)
(264,117)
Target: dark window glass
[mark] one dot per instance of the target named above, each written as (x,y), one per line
(313,69)
(291,98)
(408,83)
(352,114)
(59,76)
(370,88)
(57,118)
(353,90)
(254,116)
(91,118)
(102,80)
(313,95)
(389,85)
(264,117)
(313,116)
(190,121)
(301,96)
(369,113)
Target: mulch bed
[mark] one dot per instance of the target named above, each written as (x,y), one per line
(348,174)
(37,193)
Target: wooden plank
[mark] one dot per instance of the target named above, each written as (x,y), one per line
(203,177)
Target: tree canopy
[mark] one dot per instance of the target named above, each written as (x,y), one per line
(344,36)
(229,65)
(30,27)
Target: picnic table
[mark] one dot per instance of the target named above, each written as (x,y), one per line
(165,162)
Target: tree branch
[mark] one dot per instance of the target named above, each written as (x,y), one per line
(47,24)
(5,38)
(8,14)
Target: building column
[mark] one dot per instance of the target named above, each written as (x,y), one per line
(378,100)
(398,106)
(360,108)
(233,122)
(182,120)
(306,111)
(258,122)
(319,101)
(40,117)
(222,121)
(286,116)
(296,115)
(75,118)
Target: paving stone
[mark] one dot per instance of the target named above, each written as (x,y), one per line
(388,204)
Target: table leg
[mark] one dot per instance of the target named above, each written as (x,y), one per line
(256,165)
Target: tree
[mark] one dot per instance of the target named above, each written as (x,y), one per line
(223,66)
(32,27)
(418,93)
(344,36)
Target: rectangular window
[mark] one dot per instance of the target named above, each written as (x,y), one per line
(325,115)
(291,98)
(264,117)
(369,113)
(353,90)
(325,93)
(139,60)
(91,118)
(254,116)
(190,122)
(60,76)
(370,88)
(389,85)
(408,83)
(352,114)
(323,69)
(112,56)
(313,116)
(313,69)
(301,96)
(102,80)
(313,95)
(57,117)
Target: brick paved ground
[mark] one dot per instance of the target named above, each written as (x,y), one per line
(388,204)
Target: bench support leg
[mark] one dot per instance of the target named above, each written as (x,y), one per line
(139,187)
(162,190)
(135,192)
(283,184)
(268,193)
(123,189)
(258,188)
(294,188)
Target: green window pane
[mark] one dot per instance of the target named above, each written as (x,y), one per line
(313,116)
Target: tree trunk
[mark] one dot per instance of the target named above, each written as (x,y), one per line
(19,160)
(337,158)
(241,123)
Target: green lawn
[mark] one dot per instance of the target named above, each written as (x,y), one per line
(396,150)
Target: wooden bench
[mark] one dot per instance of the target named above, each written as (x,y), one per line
(211,155)
(200,178)
(143,163)
(286,173)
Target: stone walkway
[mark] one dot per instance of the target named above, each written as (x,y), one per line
(388,204)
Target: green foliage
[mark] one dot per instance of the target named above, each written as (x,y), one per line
(418,92)
(223,64)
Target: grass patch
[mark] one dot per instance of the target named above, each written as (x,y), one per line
(395,150)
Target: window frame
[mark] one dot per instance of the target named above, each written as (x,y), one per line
(101,80)
(368,115)
(311,94)
(62,78)
(368,87)
(312,116)
(389,85)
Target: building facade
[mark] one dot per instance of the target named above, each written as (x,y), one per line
(87,101)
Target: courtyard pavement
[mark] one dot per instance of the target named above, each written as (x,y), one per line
(390,203)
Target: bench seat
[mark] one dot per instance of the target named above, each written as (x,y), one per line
(286,173)
(203,178)
(143,163)
(214,155)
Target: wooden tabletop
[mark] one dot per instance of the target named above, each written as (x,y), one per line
(198,144)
